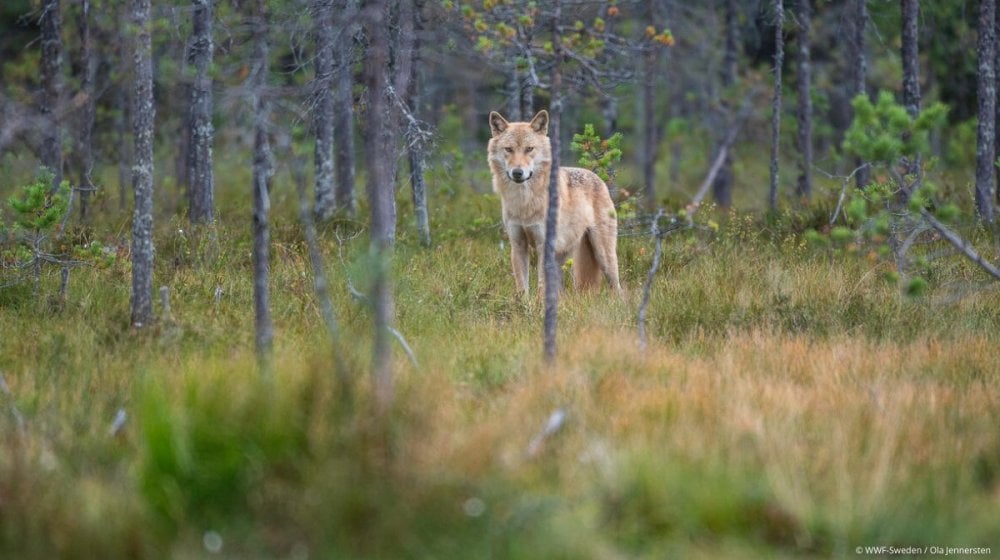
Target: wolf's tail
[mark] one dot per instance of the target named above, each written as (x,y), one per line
(586,272)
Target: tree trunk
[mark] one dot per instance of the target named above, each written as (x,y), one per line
(779,59)
(911,70)
(804,111)
(322,113)
(88,69)
(201,187)
(859,21)
(52,84)
(143,113)
(649,123)
(379,138)
(722,187)
(343,116)
(985,132)
(122,117)
(514,96)
(996,113)
(414,98)
(553,275)
(263,330)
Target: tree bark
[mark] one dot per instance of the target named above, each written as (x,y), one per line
(343,117)
(263,330)
(722,187)
(779,59)
(88,69)
(52,85)
(649,123)
(201,188)
(143,113)
(378,150)
(553,276)
(514,95)
(911,70)
(996,112)
(122,117)
(414,98)
(859,70)
(985,131)
(804,111)
(322,112)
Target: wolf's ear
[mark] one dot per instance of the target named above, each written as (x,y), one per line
(498,124)
(540,123)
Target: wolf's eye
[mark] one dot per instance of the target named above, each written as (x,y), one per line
(509,150)
(528,149)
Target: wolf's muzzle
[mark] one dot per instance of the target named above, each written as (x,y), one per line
(518,175)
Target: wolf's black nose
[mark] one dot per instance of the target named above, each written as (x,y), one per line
(517,174)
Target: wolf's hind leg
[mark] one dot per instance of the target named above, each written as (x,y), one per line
(604,239)
(586,271)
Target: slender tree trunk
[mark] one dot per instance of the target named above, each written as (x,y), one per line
(514,96)
(553,276)
(859,19)
(88,69)
(52,85)
(263,329)
(143,113)
(322,113)
(528,90)
(987,92)
(343,116)
(416,149)
(201,188)
(379,138)
(804,113)
(649,122)
(911,70)
(609,110)
(122,114)
(779,59)
(996,113)
(122,117)
(722,187)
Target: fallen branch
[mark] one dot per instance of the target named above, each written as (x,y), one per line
(720,158)
(843,190)
(961,244)
(405,345)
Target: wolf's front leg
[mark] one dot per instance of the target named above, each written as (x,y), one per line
(519,259)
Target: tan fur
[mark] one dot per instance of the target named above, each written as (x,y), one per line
(587,227)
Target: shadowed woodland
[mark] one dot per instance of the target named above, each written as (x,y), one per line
(257,301)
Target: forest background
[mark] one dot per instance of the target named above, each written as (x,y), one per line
(256,298)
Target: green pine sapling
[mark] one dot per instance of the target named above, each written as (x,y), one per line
(896,212)
(37,210)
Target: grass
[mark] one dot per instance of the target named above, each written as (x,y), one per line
(791,404)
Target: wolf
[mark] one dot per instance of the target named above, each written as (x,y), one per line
(520,158)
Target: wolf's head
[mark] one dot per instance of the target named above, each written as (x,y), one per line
(518,149)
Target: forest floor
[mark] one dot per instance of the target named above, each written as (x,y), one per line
(791,403)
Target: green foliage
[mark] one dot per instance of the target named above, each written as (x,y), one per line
(883,132)
(597,154)
(36,208)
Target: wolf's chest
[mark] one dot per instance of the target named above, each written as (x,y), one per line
(524,205)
